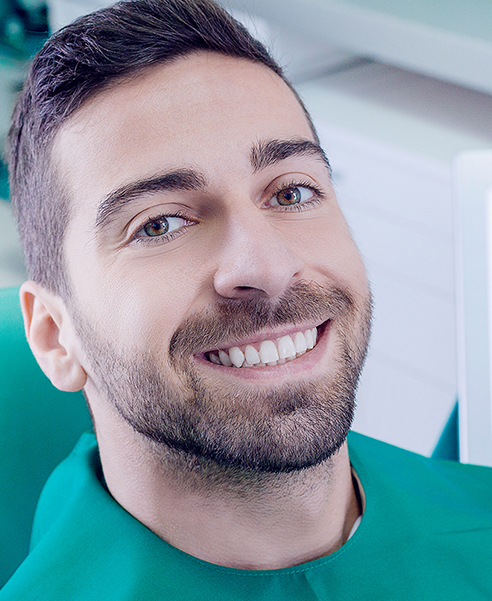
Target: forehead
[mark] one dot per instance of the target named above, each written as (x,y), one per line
(205,110)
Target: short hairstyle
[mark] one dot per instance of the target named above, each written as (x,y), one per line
(74,65)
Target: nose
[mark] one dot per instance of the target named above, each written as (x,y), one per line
(255,260)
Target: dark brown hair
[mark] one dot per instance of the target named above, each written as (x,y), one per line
(75,64)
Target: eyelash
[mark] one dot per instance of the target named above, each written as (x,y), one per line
(318,195)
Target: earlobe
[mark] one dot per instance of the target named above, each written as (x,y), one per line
(50,334)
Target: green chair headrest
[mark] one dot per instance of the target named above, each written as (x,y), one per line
(39,425)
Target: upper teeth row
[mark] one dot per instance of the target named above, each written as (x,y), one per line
(270,352)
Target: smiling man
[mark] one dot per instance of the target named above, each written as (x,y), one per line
(191,271)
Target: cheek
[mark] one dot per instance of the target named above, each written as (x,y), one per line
(328,248)
(135,305)
(145,312)
(137,299)
(347,259)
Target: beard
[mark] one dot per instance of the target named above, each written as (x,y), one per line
(240,426)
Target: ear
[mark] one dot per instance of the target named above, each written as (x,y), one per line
(51,336)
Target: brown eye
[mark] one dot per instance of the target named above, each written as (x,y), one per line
(156,227)
(289,196)
(162,228)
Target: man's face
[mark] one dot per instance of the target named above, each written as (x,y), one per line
(204,220)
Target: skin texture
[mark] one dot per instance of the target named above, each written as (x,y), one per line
(232,246)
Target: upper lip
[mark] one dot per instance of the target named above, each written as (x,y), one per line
(266,335)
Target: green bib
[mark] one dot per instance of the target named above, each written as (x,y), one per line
(426,534)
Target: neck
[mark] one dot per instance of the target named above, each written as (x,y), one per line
(231,517)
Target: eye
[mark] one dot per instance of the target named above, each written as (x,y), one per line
(292,195)
(156,227)
(162,226)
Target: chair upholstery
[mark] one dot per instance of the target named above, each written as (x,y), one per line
(39,425)
(448,445)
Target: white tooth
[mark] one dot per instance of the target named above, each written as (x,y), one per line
(251,354)
(268,352)
(237,356)
(224,358)
(308,335)
(315,334)
(272,363)
(214,359)
(286,348)
(300,342)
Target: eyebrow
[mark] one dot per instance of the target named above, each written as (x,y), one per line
(181,179)
(264,154)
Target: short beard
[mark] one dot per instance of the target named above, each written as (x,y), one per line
(282,429)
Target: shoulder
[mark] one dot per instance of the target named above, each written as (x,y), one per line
(445,491)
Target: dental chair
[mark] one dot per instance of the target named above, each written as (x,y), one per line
(39,425)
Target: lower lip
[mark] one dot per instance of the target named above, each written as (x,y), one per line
(304,363)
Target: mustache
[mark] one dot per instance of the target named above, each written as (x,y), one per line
(237,318)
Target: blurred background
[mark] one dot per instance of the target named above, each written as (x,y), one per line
(398,91)
(23,29)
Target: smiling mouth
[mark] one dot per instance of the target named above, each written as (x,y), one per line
(267,352)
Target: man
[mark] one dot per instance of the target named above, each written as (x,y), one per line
(192,272)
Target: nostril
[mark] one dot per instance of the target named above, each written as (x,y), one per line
(248,291)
